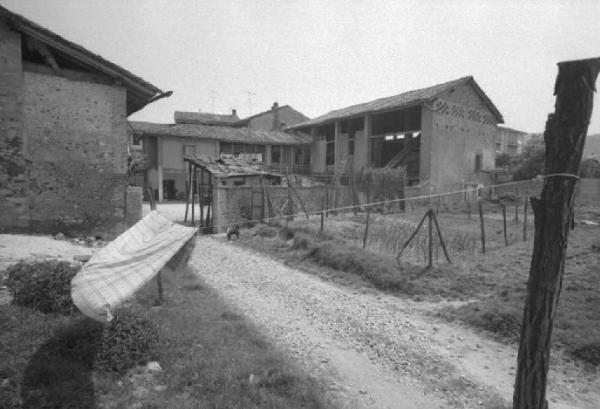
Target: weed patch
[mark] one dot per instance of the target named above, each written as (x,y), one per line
(45,285)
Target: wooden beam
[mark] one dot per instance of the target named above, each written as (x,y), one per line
(41,48)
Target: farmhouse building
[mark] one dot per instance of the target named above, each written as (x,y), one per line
(510,141)
(63,132)
(276,118)
(442,135)
(165,145)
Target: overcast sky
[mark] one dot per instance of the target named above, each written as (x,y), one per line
(323,55)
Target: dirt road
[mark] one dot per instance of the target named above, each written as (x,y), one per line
(374,350)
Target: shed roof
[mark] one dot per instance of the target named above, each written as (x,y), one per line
(219,133)
(228,168)
(140,92)
(399,101)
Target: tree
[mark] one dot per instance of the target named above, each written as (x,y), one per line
(565,134)
(590,168)
(530,163)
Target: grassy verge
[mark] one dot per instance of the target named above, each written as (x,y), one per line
(210,358)
(491,286)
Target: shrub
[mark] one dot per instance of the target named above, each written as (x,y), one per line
(45,285)
(266,231)
(128,341)
(588,353)
(382,271)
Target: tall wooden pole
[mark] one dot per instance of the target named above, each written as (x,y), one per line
(480,205)
(565,134)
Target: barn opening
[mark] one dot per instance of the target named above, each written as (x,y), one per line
(396,141)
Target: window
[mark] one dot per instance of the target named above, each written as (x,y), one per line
(189,150)
(330,151)
(478,161)
(298,156)
(136,141)
(276,154)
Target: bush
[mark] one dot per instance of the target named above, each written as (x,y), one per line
(45,285)
(588,353)
(382,271)
(128,341)
(266,231)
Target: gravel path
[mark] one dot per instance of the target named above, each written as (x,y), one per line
(373,350)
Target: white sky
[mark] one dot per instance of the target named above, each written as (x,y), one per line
(323,55)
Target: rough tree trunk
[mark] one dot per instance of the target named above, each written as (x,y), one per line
(564,136)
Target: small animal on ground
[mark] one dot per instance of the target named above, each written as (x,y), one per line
(233,231)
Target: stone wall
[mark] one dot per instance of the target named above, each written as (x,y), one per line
(14,211)
(133,205)
(76,140)
(237,205)
(457,134)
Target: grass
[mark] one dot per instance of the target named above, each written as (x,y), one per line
(491,286)
(211,357)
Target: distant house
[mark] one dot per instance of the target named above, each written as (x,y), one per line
(443,135)
(509,140)
(165,146)
(276,118)
(63,132)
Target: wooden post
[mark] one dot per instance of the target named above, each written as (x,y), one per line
(354,196)
(525,219)
(366,235)
(326,196)
(469,206)
(504,223)
(430,262)
(160,287)
(201,197)
(188,186)
(437,226)
(480,205)
(516,210)
(291,186)
(564,137)
(193,188)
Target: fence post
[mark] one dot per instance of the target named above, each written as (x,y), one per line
(366,235)
(517,210)
(430,264)
(482,227)
(525,219)
(504,223)
(469,206)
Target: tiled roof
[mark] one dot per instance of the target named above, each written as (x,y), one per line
(204,118)
(220,133)
(403,100)
(227,168)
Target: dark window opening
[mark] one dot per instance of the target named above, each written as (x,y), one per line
(275,154)
(400,121)
(298,156)
(189,150)
(226,148)
(478,161)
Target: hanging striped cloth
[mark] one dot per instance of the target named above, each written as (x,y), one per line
(117,271)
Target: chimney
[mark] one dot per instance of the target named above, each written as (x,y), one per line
(275,111)
(234,112)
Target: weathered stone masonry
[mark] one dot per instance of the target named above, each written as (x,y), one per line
(76,139)
(63,133)
(13,179)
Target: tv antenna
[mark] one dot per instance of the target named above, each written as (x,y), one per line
(213,97)
(250,95)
